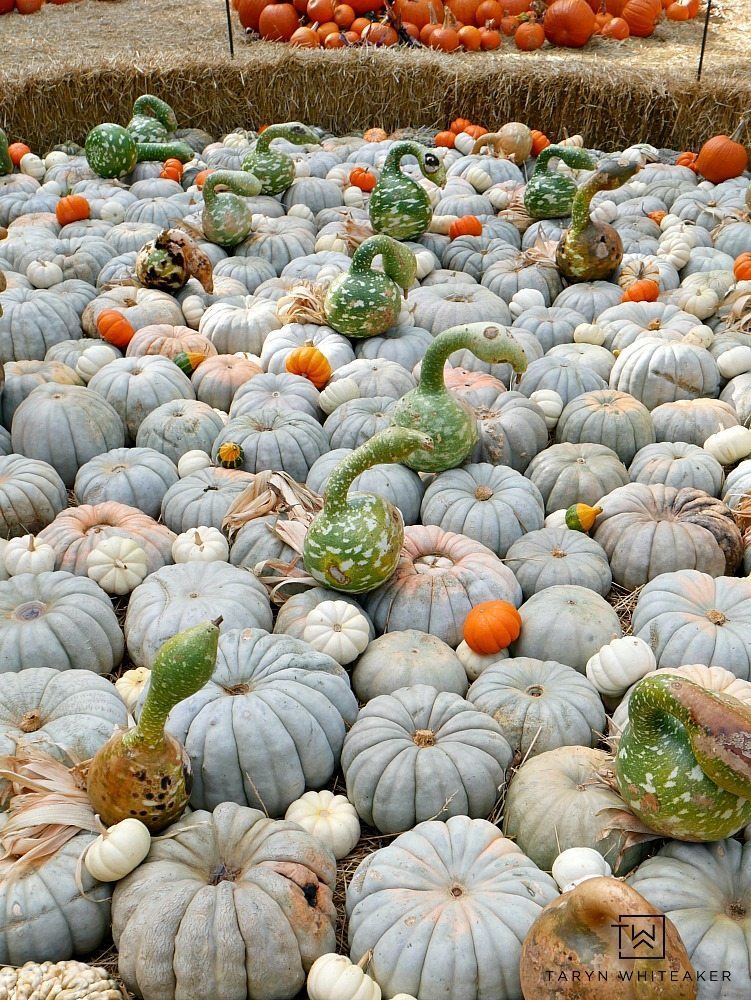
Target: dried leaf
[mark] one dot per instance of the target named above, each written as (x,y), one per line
(272,493)
(303,304)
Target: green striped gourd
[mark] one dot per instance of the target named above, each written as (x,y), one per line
(432,408)
(153,119)
(167,261)
(589,250)
(143,772)
(684,760)
(6,164)
(399,206)
(111,151)
(274,169)
(549,196)
(353,544)
(226,216)
(363,302)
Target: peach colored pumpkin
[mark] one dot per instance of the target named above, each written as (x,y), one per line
(169,341)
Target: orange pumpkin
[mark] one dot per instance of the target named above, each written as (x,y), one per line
(28,6)
(361,7)
(16,152)
(463,10)
(686,159)
(446,36)
(278,22)
(467,225)
(420,12)
(641,16)
(335,41)
(489,13)
(311,363)
(539,142)
(249,12)
(362,178)
(475,131)
(170,174)
(320,10)
(509,24)
(470,38)
(643,290)
(723,157)
(113,327)
(515,6)
(72,208)
(492,626)
(305,38)
(201,176)
(530,35)
(380,34)
(173,164)
(678,11)
(742,267)
(657,216)
(445,139)
(375,135)
(616,28)
(343,15)
(490,39)
(569,23)
(459,125)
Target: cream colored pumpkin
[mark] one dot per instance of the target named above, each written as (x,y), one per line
(674,247)
(337,629)
(55,157)
(33,166)
(556,520)
(130,686)
(337,393)
(464,143)
(117,851)
(525,298)
(236,140)
(331,243)
(66,980)
(474,663)
(699,336)
(638,270)
(572,140)
(619,664)
(606,211)
(730,445)
(27,555)
(550,403)
(441,224)
(302,168)
(425,261)
(93,360)
(736,361)
(577,864)
(335,977)
(331,818)
(354,197)
(117,564)
(589,333)
(113,211)
(498,197)
(201,544)
(479,179)
(193,461)
(301,212)
(44,273)
(700,302)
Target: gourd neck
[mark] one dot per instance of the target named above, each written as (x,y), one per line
(718,728)
(572,156)
(395,155)
(610,175)
(283,130)
(182,666)
(238,182)
(399,262)
(150,151)
(152,107)
(6,164)
(390,445)
(487,341)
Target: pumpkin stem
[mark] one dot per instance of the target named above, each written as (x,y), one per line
(365,960)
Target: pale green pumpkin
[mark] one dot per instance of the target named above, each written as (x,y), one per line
(433,409)
(274,169)
(111,150)
(399,206)
(550,196)
(226,216)
(353,545)
(153,119)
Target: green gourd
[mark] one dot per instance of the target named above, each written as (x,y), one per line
(589,250)
(684,760)
(111,151)
(353,544)
(226,217)
(274,169)
(549,196)
(430,407)
(6,164)
(143,772)
(153,119)
(363,302)
(399,206)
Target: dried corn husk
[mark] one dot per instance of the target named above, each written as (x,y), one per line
(272,493)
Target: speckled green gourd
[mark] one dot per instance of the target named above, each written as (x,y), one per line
(363,302)
(399,206)
(274,169)
(153,119)
(6,164)
(433,409)
(684,760)
(226,217)
(549,196)
(111,151)
(143,772)
(588,250)
(353,545)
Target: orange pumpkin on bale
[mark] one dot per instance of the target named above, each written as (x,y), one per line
(379,33)
(375,135)
(641,16)
(492,626)
(490,39)
(530,35)
(419,12)
(723,157)
(72,208)
(445,139)
(249,12)
(311,363)
(278,22)
(446,36)
(616,28)
(569,23)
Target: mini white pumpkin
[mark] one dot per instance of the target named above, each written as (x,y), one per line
(671,222)
(301,212)
(336,393)
(235,140)
(117,851)
(474,663)
(619,664)
(426,261)
(606,211)
(27,555)
(193,461)
(441,224)
(354,197)
(331,818)
(736,361)
(699,336)
(113,211)
(700,302)
(44,273)
(550,403)
(52,187)
(335,977)
(331,243)
(479,179)
(525,298)
(33,165)
(55,157)
(130,686)
(93,360)
(302,168)
(337,629)
(464,143)
(577,864)
(498,197)
(674,247)
(557,519)
(729,445)
(589,333)
(117,564)
(201,544)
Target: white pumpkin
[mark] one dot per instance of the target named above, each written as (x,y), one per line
(577,864)
(674,247)
(550,403)
(474,663)
(426,261)
(736,361)
(699,336)
(337,629)
(44,273)
(301,212)
(117,851)
(525,298)
(331,818)
(235,140)
(302,168)
(193,461)
(498,197)
(606,211)
(27,555)
(335,977)
(54,158)
(332,243)
(337,393)
(464,143)
(222,414)
(479,179)
(354,197)
(729,445)
(113,211)
(589,333)
(201,544)
(441,224)
(117,564)
(93,360)
(33,166)
(556,520)
(130,686)
(700,302)
(619,664)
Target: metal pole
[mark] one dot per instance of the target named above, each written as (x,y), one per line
(704,39)
(229,30)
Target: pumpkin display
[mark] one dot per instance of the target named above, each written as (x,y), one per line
(556,556)
(405,659)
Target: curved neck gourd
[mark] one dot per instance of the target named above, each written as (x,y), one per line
(236,182)
(399,262)
(294,132)
(573,156)
(111,150)
(149,106)
(610,175)
(429,163)
(684,759)
(486,341)
(6,164)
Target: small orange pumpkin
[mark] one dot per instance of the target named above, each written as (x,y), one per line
(529,36)
(16,151)
(643,290)
(492,626)
(616,28)
(686,159)
(475,131)
(657,216)
(362,178)
(375,135)
(742,267)
(311,363)
(445,139)
(723,157)
(539,142)
(490,39)
(467,225)
(200,179)
(459,125)
(113,327)
(72,208)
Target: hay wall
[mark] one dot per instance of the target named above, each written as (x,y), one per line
(343,90)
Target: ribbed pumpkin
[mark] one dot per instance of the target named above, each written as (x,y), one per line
(723,157)
(311,363)
(113,327)
(570,23)
(491,627)
(641,16)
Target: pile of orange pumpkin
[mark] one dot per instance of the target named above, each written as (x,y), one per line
(27,6)
(457,25)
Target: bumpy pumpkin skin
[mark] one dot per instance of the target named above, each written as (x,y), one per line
(578,934)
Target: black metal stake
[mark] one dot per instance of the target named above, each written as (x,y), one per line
(704,39)
(229,30)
